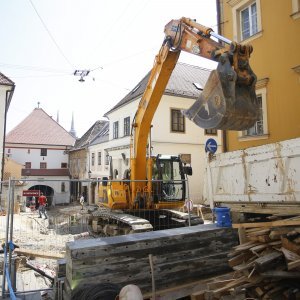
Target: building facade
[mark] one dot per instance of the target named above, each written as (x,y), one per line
(81,160)
(7,88)
(41,146)
(273,29)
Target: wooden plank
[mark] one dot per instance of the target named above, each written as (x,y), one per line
(230,285)
(240,258)
(43,254)
(280,274)
(264,261)
(294,265)
(286,243)
(268,224)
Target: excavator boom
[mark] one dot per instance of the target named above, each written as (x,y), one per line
(228,100)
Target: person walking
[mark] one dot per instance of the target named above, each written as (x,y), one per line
(81,200)
(42,206)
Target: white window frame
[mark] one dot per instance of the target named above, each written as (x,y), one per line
(93,159)
(99,158)
(237,7)
(243,134)
(295,9)
(126,124)
(177,124)
(116,130)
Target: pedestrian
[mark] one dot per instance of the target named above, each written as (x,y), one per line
(81,200)
(42,206)
(32,203)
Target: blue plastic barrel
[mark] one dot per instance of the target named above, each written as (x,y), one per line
(223,216)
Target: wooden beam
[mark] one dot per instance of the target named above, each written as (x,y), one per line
(267,224)
(38,254)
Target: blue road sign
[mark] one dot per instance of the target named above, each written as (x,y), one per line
(211,146)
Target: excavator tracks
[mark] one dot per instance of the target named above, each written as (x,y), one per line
(118,222)
(112,223)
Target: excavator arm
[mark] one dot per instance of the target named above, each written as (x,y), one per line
(228,100)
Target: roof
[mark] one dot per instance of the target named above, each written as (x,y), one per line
(5,80)
(181,83)
(39,128)
(103,135)
(91,134)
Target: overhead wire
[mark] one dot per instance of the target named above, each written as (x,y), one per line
(51,36)
(34,68)
(126,27)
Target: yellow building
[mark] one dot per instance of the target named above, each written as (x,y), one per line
(272,27)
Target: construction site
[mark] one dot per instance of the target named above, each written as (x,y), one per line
(230,256)
(190,200)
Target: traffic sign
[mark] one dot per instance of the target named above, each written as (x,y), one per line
(211,146)
(189,204)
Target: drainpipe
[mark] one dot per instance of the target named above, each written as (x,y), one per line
(219,22)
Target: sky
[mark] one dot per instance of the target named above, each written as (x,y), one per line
(44,41)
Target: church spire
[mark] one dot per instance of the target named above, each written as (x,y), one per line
(72,131)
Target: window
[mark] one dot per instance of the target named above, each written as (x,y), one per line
(106,158)
(63,187)
(295,9)
(43,165)
(211,131)
(93,159)
(177,121)
(246,19)
(260,128)
(127,126)
(8,151)
(28,151)
(64,165)
(28,165)
(43,152)
(99,158)
(115,130)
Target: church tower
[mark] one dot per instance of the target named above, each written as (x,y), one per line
(73,131)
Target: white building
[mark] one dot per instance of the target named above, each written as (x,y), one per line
(171,132)
(6,92)
(41,146)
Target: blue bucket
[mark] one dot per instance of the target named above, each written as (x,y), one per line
(223,216)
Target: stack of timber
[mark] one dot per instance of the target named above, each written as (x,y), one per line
(152,260)
(267,264)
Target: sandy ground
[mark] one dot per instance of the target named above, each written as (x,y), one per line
(42,236)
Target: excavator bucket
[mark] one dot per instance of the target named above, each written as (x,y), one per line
(228,101)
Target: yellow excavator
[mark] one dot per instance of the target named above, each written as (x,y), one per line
(155,187)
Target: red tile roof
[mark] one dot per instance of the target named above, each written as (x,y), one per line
(39,128)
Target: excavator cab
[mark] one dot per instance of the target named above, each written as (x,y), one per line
(168,179)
